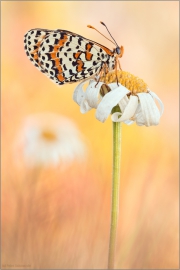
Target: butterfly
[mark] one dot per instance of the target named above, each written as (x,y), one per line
(66,57)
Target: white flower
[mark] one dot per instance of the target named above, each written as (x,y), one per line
(47,139)
(135,105)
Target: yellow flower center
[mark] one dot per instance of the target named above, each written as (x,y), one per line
(131,82)
(48,135)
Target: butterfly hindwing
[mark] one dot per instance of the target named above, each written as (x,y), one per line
(64,56)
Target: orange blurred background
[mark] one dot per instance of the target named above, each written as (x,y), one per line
(54,218)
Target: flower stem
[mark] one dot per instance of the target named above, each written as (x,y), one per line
(115,192)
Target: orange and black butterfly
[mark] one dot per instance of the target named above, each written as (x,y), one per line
(66,57)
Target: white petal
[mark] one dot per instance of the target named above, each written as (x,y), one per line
(129,110)
(149,109)
(78,94)
(128,122)
(140,120)
(160,102)
(92,94)
(123,103)
(113,86)
(110,100)
(115,116)
(139,116)
(84,106)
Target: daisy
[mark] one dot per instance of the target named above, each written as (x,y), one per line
(131,99)
(47,139)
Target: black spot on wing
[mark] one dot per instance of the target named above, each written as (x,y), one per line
(51,48)
(74,63)
(56,41)
(79,41)
(64,67)
(71,72)
(38,33)
(48,56)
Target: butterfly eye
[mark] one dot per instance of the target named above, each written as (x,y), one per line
(118,50)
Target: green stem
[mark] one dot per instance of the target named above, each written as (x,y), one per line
(115,192)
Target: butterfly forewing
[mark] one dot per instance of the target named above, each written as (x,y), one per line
(64,56)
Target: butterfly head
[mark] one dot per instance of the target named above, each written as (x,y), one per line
(119,51)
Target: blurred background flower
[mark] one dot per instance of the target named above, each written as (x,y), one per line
(48,139)
(60,222)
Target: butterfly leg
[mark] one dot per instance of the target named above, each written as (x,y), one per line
(100,73)
(116,63)
(106,68)
(98,80)
(119,64)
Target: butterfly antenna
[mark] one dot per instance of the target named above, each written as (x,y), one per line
(109,33)
(89,26)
